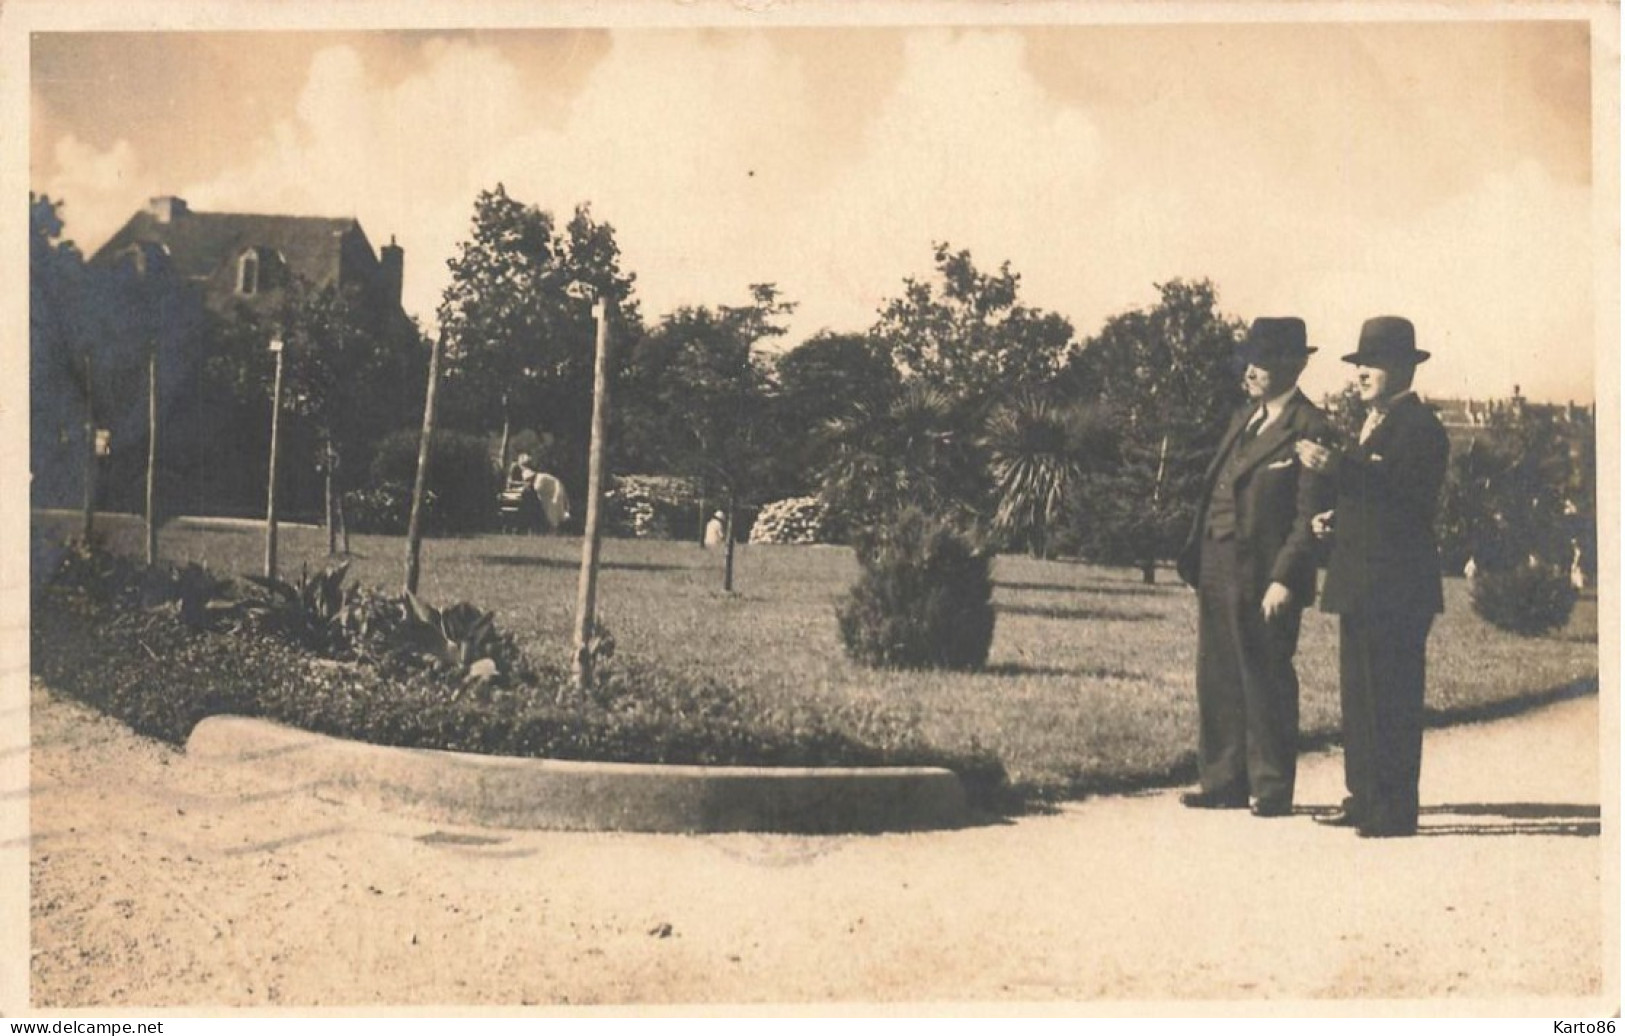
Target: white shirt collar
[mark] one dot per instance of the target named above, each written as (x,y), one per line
(1274,406)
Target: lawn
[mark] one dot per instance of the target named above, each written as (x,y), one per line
(1089,686)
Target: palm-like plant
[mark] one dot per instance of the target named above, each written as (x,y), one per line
(1038,449)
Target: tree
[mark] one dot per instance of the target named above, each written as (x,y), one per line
(519,326)
(827,378)
(1039,448)
(60,397)
(968,335)
(700,399)
(1168,377)
(1507,494)
(918,450)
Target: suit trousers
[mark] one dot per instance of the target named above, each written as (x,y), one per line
(1383,662)
(1246,687)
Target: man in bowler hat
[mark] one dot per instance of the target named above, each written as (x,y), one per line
(1382,580)
(1251,557)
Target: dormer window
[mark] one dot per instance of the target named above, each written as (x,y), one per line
(248,273)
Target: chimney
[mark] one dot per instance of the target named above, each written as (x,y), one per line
(392,258)
(167,208)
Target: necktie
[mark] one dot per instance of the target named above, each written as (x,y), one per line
(1372,420)
(1254,424)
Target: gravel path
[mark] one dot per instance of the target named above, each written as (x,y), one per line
(159,880)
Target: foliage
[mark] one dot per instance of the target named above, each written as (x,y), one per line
(797,519)
(1168,377)
(1527,599)
(924,598)
(919,450)
(967,334)
(1039,449)
(460,491)
(1507,492)
(162,678)
(307,612)
(662,506)
(520,331)
(827,378)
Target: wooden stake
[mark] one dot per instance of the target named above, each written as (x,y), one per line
(587,588)
(414,525)
(270,485)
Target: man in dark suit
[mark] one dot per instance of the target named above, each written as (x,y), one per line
(1382,580)
(1251,558)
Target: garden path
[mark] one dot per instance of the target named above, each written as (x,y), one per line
(158,880)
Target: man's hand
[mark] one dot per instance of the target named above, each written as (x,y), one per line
(1314,456)
(1276,600)
(1322,524)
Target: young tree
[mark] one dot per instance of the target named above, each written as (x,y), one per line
(1168,377)
(519,326)
(968,334)
(1039,448)
(699,399)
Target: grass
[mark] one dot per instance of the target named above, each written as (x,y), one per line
(1090,680)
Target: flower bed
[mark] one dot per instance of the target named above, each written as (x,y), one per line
(162,649)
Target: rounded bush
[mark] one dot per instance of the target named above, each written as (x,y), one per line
(1528,600)
(798,519)
(924,598)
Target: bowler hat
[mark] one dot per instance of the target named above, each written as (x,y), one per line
(1273,339)
(1387,342)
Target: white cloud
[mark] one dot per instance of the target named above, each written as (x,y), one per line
(708,155)
(101,188)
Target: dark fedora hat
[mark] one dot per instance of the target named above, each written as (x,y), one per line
(1387,342)
(1273,339)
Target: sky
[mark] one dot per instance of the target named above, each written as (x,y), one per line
(1333,171)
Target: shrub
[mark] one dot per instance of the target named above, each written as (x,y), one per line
(461,492)
(653,506)
(1528,599)
(924,598)
(798,519)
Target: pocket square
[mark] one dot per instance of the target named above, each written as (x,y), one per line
(1376,458)
(1282,463)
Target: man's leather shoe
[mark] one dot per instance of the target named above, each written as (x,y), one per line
(1341,818)
(1271,808)
(1386,830)
(1209,800)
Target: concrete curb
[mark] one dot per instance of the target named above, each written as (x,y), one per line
(553,794)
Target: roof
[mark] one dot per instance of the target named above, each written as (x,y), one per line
(200,242)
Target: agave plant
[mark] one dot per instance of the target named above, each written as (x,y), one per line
(1039,448)
(200,598)
(310,610)
(462,636)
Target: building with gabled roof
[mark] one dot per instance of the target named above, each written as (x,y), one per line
(246,258)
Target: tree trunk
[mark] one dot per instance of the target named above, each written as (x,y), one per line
(502,451)
(152,457)
(327,489)
(728,547)
(88,526)
(1148,572)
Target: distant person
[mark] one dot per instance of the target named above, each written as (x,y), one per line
(1251,557)
(1383,578)
(551,499)
(715,530)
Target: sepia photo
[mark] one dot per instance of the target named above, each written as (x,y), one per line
(1031,508)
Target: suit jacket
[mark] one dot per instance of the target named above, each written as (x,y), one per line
(1384,557)
(1276,496)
